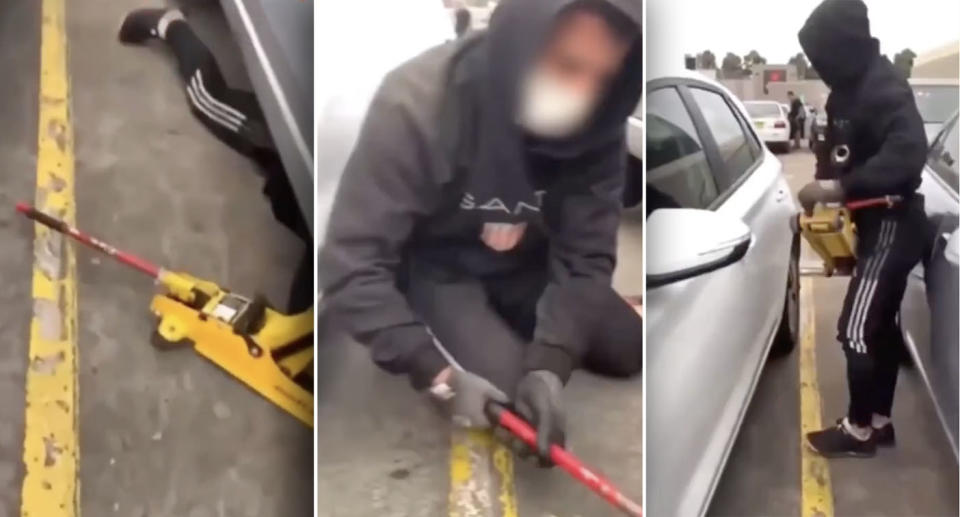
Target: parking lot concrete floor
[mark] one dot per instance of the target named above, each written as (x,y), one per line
(162,433)
(918,477)
(19,58)
(384,450)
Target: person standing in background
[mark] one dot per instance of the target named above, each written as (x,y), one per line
(797,117)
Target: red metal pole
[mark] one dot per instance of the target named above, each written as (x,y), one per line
(887,201)
(568,462)
(53,223)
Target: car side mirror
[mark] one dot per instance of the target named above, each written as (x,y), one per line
(951,251)
(686,242)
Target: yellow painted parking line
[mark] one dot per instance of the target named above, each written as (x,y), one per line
(817,494)
(50,446)
(481,476)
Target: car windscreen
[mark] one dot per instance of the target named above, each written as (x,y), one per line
(936,102)
(763,110)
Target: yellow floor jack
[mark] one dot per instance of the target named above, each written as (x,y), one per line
(270,352)
(832,234)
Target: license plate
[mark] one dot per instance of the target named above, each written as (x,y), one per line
(821,138)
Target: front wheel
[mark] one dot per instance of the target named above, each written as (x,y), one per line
(788,333)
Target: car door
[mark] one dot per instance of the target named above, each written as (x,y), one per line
(708,335)
(929,311)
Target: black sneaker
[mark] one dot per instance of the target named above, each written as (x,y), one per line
(140,25)
(836,442)
(884,435)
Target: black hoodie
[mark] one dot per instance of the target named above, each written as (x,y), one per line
(439,155)
(871,107)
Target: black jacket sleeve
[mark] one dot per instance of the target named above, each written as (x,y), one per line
(897,165)
(582,218)
(386,187)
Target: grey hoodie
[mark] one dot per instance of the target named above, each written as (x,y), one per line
(439,155)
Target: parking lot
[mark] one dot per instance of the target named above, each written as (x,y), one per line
(159,433)
(763,474)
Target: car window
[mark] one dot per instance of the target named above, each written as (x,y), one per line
(936,102)
(733,142)
(944,154)
(678,174)
(763,109)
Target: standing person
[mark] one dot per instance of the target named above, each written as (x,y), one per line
(234,117)
(797,118)
(478,214)
(873,120)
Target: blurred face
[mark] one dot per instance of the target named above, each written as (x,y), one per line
(584,54)
(790,96)
(577,65)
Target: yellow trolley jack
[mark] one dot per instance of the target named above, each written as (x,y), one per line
(270,352)
(831,233)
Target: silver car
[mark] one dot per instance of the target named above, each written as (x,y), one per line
(722,281)
(276,39)
(929,311)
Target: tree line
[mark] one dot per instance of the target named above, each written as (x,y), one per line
(735,66)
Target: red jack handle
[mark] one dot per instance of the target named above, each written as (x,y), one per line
(565,460)
(61,226)
(887,201)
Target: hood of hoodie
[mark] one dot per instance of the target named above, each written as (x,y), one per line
(836,39)
(516,35)
(492,68)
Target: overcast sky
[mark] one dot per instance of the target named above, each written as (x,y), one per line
(770,26)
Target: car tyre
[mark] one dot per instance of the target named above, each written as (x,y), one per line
(788,333)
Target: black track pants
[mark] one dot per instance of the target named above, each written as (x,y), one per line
(890,244)
(234,116)
(486,325)
(236,119)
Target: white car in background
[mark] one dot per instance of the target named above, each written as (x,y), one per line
(771,123)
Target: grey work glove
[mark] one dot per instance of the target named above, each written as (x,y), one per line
(470,396)
(540,402)
(819,191)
